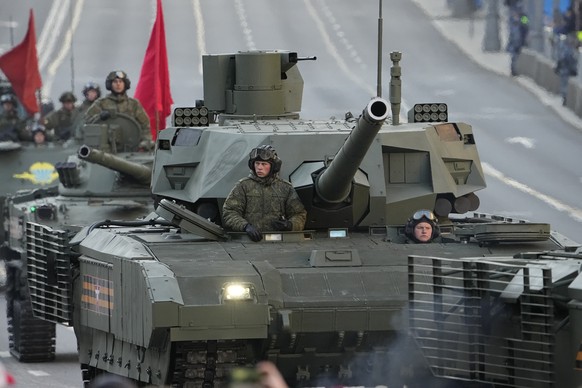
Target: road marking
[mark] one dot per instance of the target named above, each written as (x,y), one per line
(200,31)
(527,142)
(5,354)
(347,70)
(38,373)
(65,47)
(572,212)
(52,25)
(349,47)
(247,32)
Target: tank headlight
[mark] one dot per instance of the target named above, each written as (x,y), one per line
(238,291)
(273,237)
(44,212)
(337,233)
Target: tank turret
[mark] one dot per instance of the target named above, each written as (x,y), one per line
(113,132)
(355,172)
(139,172)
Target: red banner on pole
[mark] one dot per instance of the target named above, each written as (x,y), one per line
(153,88)
(20,66)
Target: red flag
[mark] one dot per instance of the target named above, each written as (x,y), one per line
(153,88)
(20,66)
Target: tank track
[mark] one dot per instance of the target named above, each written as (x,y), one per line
(195,364)
(29,339)
(207,364)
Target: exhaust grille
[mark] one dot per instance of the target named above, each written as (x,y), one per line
(49,273)
(487,321)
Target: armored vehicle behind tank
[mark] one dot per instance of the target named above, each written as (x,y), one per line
(93,185)
(25,165)
(182,305)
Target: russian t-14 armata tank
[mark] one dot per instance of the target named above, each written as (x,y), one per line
(184,303)
(94,185)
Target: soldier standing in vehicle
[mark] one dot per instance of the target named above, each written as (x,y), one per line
(118,101)
(39,135)
(263,201)
(62,122)
(12,128)
(567,63)
(92,92)
(422,227)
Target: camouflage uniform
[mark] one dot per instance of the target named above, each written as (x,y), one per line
(63,122)
(261,202)
(121,103)
(85,105)
(12,127)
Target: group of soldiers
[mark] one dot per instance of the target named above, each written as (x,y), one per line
(66,122)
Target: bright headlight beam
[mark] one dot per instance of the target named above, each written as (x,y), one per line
(237,291)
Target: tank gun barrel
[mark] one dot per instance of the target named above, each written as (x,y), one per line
(139,172)
(333,185)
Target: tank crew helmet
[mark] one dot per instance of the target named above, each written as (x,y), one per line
(418,217)
(38,127)
(67,97)
(91,86)
(122,75)
(9,98)
(266,153)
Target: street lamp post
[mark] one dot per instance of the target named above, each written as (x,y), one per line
(491,40)
(536,25)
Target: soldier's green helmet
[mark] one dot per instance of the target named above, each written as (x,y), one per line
(68,97)
(91,86)
(265,153)
(419,216)
(122,75)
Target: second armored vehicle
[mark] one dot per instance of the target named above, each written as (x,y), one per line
(94,185)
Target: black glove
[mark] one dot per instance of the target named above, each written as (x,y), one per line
(253,233)
(283,225)
(104,115)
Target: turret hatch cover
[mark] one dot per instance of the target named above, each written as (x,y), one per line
(190,221)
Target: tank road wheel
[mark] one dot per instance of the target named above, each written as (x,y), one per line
(88,374)
(30,339)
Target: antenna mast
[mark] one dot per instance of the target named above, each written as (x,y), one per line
(379,76)
(71,47)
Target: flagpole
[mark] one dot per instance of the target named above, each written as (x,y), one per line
(11,28)
(157,123)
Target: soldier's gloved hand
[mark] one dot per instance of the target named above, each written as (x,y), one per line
(283,225)
(104,115)
(253,233)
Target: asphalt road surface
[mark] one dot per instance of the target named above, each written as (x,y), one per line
(531,156)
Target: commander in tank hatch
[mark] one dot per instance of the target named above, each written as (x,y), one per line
(263,201)
(117,101)
(422,227)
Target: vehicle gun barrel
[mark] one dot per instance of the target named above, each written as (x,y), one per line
(139,172)
(334,184)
